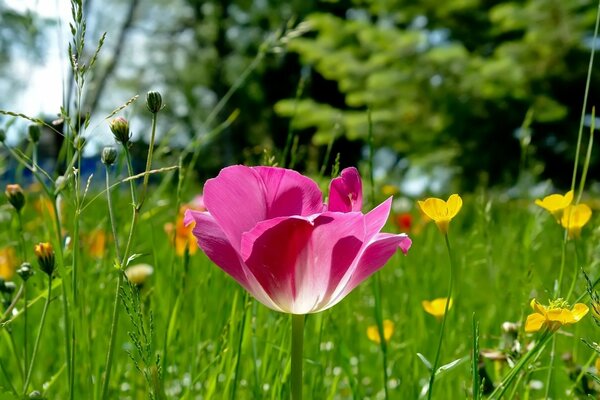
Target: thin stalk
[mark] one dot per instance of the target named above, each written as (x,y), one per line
(503,386)
(550,367)
(148,161)
(115,313)
(585,98)
(575,270)
(23,258)
(558,288)
(379,321)
(39,335)
(441,339)
(242,330)
(297,348)
(588,156)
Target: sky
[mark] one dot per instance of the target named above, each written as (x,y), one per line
(44,83)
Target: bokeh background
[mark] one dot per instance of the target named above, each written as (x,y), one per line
(462,93)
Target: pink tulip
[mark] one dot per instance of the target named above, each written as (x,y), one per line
(269,229)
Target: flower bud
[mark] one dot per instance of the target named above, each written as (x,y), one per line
(154,101)
(120,129)
(25,271)
(16,197)
(109,156)
(34,133)
(45,256)
(2,135)
(36,395)
(9,287)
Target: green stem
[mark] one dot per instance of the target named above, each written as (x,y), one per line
(23,259)
(503,386)
(242,330)
(585,98)
(148,160)
(447,306)
(297,345)
(115,313)
(379,321)
(558,288)
(550,367)
(575,270)
(39,335)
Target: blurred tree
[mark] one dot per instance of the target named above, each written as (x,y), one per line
(451,82)
(20,40)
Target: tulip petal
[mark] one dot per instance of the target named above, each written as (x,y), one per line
(373,257)
(239,197)
(376,218)
(289,193)
(213,241)
(345,192)
(236,200)
(300,262)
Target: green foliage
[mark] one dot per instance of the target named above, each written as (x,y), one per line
(459,75)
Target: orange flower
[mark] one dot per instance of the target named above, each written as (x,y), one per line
(182,235)
(96,242)
(8,263)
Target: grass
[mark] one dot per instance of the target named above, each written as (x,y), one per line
(506,253)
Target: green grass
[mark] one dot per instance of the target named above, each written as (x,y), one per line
(506,253)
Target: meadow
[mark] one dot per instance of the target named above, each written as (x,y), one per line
(105,293)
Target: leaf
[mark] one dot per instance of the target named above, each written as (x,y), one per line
(451,365)
(425,361)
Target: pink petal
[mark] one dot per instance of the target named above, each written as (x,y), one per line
(214,243)
(289,193)
(373,258)
(300,262)
(345,192)
(377,217)
(236,200)
(239,197)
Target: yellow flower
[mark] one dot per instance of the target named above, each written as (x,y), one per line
(8,263)
(388,331)
(574,218)
(389,190)
(138,274)
(440,211)
(597,365)
(556,203)
(436,307)
(553,316)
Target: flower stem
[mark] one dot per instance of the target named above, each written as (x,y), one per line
(439,347)
(115,314)
(503,386)
(148,161)
(297,345)
(39,335)
(379,321)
